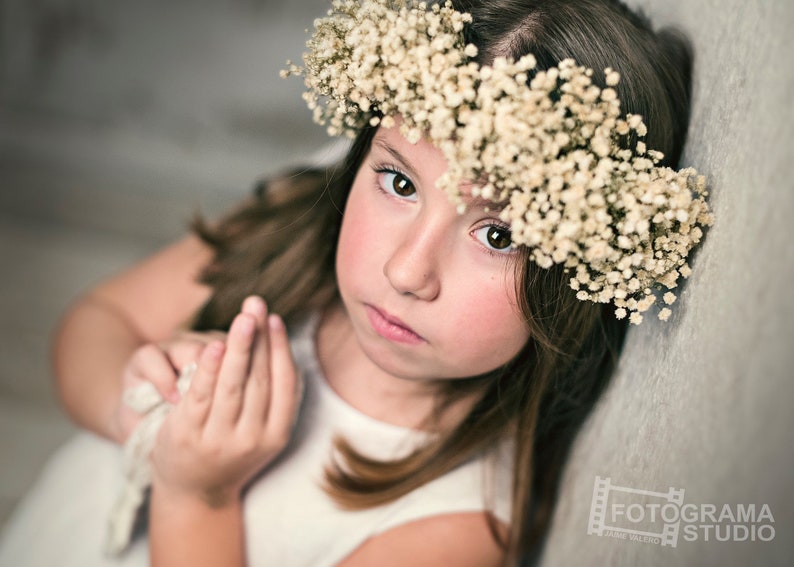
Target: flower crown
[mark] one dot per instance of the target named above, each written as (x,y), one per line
(546,150)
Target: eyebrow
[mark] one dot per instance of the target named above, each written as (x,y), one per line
(483,203)
(404,162)
(474,202)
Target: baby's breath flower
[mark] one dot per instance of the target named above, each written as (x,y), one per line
(551,148)
(612,77)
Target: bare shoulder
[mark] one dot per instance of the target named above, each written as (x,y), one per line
(461,539)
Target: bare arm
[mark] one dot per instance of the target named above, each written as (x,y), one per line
(100,332)
(216,537)
(461,539)
(188,532)
(236,417)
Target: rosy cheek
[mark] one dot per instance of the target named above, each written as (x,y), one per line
(355,238)
(479,304)
(501,322)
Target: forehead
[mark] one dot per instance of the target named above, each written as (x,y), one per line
(423,154)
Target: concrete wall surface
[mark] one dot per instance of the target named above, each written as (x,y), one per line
(703,402)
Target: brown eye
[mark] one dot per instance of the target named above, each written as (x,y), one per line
(398,184)
(498,238)
(495,238)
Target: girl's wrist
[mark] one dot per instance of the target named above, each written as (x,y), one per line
(188,528)
(215,498)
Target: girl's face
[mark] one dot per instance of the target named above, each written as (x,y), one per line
(430,292)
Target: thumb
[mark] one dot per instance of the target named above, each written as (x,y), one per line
(151,365)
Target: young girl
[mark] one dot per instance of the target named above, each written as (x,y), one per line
(438,362)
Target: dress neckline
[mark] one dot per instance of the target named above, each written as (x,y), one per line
(306,341)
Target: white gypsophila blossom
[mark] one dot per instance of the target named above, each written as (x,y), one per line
(543,145)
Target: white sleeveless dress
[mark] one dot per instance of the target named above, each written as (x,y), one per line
(289,520)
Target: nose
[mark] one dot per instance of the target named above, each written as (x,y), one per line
(413,266)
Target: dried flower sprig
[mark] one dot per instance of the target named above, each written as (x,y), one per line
(546,149)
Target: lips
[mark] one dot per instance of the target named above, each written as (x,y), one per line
(391,328)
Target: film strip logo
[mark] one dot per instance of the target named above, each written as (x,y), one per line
(598,522)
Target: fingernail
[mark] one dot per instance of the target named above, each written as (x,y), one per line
(275,323)
(253,304)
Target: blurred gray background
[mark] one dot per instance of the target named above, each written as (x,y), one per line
(118,120)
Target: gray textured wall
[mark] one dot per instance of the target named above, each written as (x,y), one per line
(703,402)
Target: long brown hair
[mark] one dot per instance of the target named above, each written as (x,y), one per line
(282,245)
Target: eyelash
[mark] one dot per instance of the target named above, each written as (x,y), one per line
(389,168)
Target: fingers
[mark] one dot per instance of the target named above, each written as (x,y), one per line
(257,388)
(197,404)
(260,353)
(284,388)
(251,387)
(185,350)
(150,364)
(233,374)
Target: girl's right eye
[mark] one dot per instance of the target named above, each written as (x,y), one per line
(397,184)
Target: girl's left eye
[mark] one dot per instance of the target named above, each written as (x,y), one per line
(495,237)
(395,183)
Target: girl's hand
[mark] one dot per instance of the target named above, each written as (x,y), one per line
(237,415)
(161,364)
